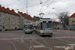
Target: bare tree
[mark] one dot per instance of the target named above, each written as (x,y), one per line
(64,18)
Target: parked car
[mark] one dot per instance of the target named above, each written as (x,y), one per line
(71,27)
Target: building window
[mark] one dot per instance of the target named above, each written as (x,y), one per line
(0,25)
(0,15)
(8,18)
(0,21)
(73,21)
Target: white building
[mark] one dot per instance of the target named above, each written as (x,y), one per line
(72,19)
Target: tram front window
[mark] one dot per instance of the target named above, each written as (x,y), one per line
(47,24)
(28,27)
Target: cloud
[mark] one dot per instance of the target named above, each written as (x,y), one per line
(34,6)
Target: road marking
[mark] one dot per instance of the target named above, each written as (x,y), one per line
(36,38)
(65,47)
(13,45)
(38,46)
(65,37)
(22,38)
(72,44)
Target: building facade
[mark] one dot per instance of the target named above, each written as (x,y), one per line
(72,19)
(10,20)
(57,25)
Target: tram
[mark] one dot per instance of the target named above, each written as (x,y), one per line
(44,27)
(28,28)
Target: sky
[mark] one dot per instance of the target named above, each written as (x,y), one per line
(49,7)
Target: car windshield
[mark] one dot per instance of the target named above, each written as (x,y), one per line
(29,27)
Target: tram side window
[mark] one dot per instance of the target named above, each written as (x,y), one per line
(38,26)
(41,25)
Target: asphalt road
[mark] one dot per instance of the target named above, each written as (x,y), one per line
(17,40)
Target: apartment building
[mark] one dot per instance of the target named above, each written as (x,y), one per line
(9,19)
(27,18)
(72,19)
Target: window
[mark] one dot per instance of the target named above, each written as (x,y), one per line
(73,21)
(8,18)
(47,24)
(0,21)
(0,15)
(0,25)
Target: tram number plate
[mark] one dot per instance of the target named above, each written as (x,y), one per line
(47,29)
(28,29)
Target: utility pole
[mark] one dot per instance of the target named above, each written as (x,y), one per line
(26,6)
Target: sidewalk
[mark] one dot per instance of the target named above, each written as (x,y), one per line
(65,30)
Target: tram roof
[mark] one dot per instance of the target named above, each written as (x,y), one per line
(45,19)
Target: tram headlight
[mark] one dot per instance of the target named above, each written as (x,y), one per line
(50,29)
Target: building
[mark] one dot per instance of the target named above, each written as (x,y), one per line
(27,18)
(36,18)
(72,19)
(57,25)
(10,20)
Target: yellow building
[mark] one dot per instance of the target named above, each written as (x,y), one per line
(25,17)
(33,22)
(0,20)
(10,20)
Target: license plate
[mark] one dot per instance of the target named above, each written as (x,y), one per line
(28,29)
(47,29)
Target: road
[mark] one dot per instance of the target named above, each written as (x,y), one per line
(17,40)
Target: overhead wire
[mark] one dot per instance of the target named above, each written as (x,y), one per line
(12,3)
(47,5)
(50,3)
(43,5)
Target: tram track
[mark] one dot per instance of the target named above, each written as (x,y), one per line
(40,43)
(65,40)
(13,45)
(60,43)
(32,40)
(25,43)
(33,43)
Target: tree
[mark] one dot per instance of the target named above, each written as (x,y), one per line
(64,18)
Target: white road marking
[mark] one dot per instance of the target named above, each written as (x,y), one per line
(22,38)
(13,45)
(69,47)
(72,44)
(65,47)
(38,46)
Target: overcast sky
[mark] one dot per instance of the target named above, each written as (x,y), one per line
(48,7)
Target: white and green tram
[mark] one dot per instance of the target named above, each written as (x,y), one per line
(44,27)
(28,28)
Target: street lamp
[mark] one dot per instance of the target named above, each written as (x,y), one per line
(20,19)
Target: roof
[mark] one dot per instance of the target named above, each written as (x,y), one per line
(8,10)
(26,15)
(57,22)
(73,15)
(13,12)
(36,18)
